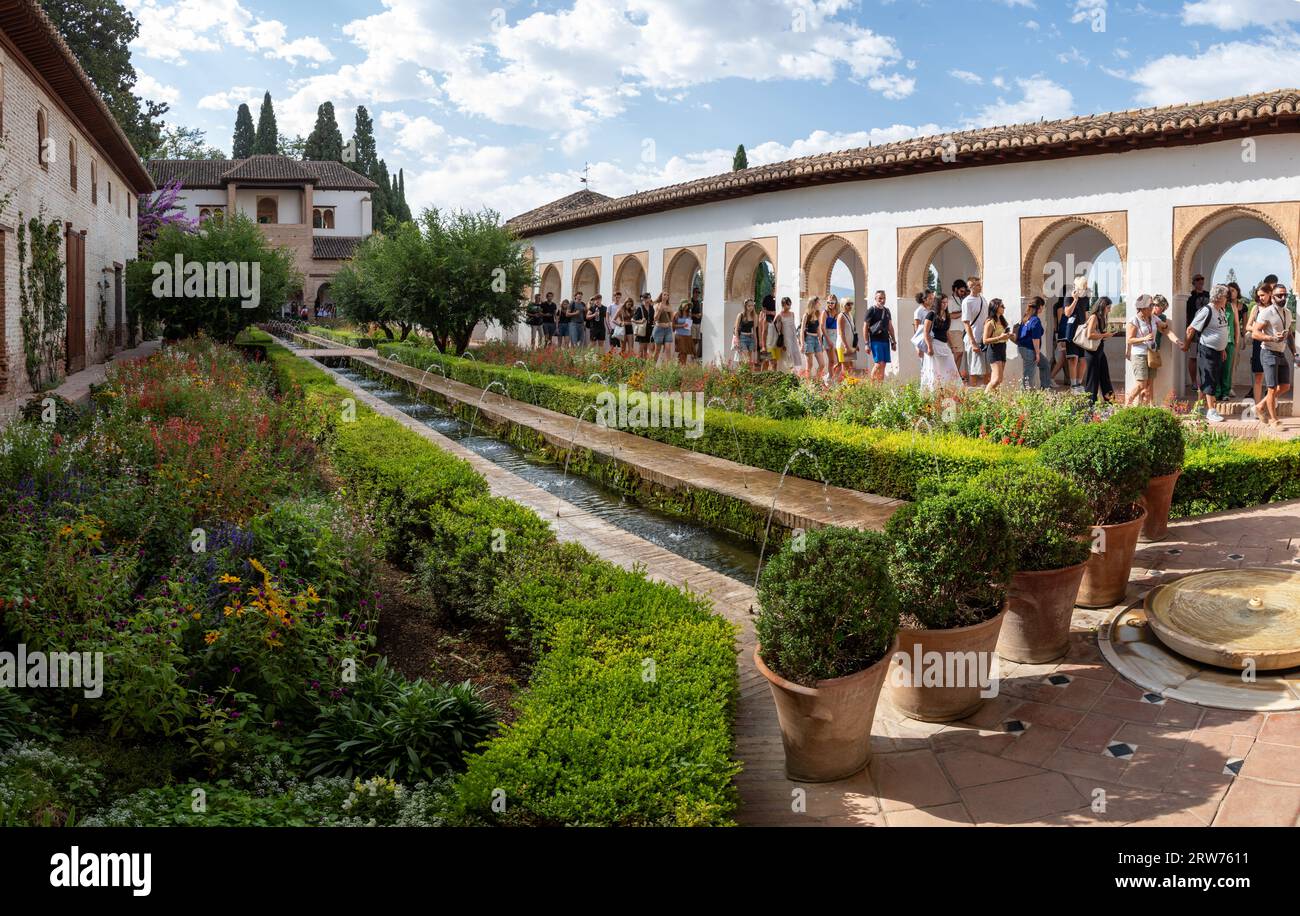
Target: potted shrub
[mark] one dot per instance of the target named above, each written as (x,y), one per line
(828,615)
(1050,526)
(952,560)
(1112,467)
(1161,432)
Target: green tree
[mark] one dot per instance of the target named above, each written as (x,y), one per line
(293,147)
(241,147)
(184,143)
(99,33)
(740,160)
(198,299)
(365,160)
(366,290)
(267,139)
(401,194)
(381,202)
(325,143)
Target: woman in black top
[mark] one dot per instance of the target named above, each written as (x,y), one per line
(562,322)
(1096,380)
(596,320)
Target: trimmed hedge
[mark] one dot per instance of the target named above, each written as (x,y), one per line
(627,716)
(1215,477)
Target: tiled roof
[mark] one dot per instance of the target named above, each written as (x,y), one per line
(216,173)
(576,201)
(1174,125)
(25,24)
(334,247)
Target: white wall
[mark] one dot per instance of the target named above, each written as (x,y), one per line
(1147,184)
(351,211)
(290,210)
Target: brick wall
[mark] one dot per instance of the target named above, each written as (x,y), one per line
(110,231)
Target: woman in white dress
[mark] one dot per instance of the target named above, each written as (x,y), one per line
(786,345)
(938,368)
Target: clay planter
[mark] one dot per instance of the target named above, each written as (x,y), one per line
(1105,578)
(948,702)
(826,730)
(1156,500)
(1037,628)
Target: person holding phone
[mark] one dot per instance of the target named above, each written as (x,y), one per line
(1097,376)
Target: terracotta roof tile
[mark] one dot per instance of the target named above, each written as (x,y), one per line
(216,173)
(1198,122)
(334,247)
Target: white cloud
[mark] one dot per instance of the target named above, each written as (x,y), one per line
(1073,56)
(967,77)
(1223,70)
(1231,15)
(1089,10)
(569,69)
(1032,25)
(174,32)
(149,88)
(419,135)
(231,99)
(1040,98)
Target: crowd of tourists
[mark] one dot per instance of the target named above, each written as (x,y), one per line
(963,338)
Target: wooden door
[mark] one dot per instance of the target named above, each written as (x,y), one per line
(76,296)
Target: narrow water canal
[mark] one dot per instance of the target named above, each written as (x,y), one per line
(722,552)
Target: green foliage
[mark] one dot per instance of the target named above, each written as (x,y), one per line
(245,134)
(404,730)
(828,607)
(474,545)
(189,306)
(1160,432)
(1109,463)
(740,160)
(627,717)
(40,787)
(325,142)
(953,557)
(42,312)
(1046,512)
(267,139)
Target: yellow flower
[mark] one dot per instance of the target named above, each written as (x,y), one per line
(197,616)
(211,636)
(228,579)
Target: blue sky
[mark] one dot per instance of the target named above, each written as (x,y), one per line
(502,103)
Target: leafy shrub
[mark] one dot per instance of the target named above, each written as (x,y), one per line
(828,608)
(405,730)
(953,557)
(17,718)
(41,787)
(316,542)
(1159,431)
(1111,465)
(1046,513)
(474,545)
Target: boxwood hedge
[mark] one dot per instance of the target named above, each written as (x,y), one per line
(627,716)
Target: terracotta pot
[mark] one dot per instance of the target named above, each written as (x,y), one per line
(826,730)
(942,702)
(1039,605)
(1105,580)
(1157,498)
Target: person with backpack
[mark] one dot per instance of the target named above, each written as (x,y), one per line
(1209,329)
(878,328)
(1029,335)
(974,312)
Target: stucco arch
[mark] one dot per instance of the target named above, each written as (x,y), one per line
(920,244)
(741,262)
(1193,225)
(1041,237)
(817,257)
(680,265)
(586,277)
(550,281)
(630,272)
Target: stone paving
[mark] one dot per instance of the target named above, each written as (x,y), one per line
(1188,765)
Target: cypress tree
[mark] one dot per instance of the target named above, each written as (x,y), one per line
(365,159)
(401,195)
(383,204)
(325,143)
(242,145)
(740,160)
(268,136)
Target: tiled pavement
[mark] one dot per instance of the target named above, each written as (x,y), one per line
(1089,750)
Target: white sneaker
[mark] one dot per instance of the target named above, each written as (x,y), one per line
(1212,416)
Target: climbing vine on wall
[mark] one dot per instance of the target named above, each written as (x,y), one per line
(43,314)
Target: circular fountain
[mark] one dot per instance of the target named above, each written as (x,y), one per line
(1226,638)
(1231,617)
